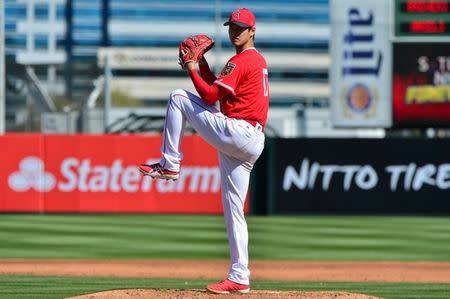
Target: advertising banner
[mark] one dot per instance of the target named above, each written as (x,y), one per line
(421,84)
(360,73)
(95,173)
(388,176)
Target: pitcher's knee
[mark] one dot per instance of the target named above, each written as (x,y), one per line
(178,92)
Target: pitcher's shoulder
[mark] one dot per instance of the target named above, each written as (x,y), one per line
(258,55)
(254,56)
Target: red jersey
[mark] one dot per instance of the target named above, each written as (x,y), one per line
(246,76)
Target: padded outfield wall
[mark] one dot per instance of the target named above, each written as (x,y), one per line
(357,176)
(98,174)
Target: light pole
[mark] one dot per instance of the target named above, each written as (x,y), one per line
(2,67)
(219,28)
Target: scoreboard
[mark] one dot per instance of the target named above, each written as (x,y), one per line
(421,63)
(422,18)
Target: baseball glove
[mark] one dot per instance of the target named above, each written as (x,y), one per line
(193,47)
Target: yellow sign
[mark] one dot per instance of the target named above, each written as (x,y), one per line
(428,94)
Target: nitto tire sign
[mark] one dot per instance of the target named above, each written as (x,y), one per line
(371,175)
(407,177)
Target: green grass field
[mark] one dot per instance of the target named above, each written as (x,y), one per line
(203,237)
(60,287)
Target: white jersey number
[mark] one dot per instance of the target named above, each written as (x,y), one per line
(266,82)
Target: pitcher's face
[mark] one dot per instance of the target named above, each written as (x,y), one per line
(240,36)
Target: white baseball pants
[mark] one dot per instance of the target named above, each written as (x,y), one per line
(239,145)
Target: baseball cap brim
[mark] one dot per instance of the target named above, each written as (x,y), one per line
(240,24)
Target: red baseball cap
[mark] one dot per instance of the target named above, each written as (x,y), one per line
(242,17)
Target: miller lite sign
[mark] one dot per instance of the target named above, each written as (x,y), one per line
(360,73)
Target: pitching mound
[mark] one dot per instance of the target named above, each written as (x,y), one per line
(200,294)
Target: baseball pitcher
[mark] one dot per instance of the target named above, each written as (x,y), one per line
(236,130)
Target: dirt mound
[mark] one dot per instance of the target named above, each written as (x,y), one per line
(200,294)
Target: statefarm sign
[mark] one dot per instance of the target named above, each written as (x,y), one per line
(82,176)
(85,173)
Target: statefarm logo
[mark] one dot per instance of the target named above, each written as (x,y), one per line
(31,175)
(82,175)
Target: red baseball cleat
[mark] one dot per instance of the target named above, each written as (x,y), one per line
(227,286)
(156,171)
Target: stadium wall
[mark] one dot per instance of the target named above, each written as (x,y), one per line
(99,174)
(354,176)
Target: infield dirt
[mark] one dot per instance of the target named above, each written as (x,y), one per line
(424,272)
